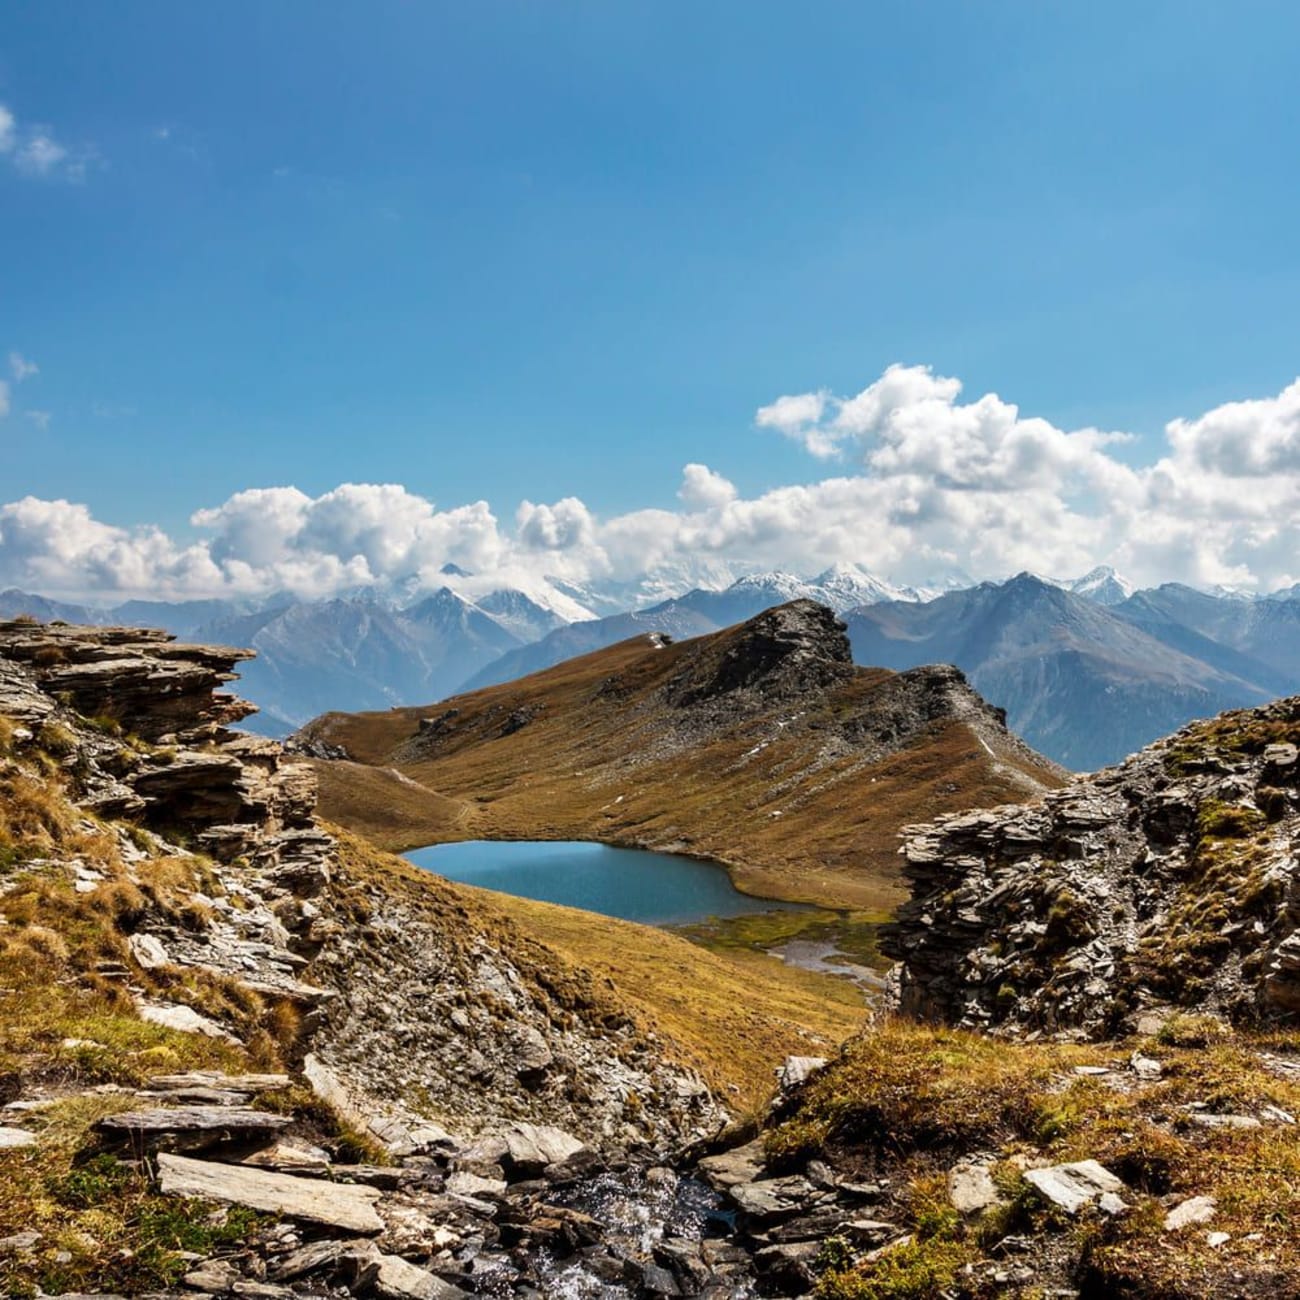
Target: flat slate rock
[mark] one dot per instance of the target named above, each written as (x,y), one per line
(172,1015)
(349,1206)
(253,1083)
(200,1097)
(291,1158)
(193,1127)
(309,1259)
(16,1137)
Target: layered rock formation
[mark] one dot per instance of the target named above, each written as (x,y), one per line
(1170,880)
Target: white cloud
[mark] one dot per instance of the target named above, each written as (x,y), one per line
(566,525)
(799,417)
(34,151)
(21,368)
(4,399)
(39,154)
(1243,439)
(931,484)
(702,489)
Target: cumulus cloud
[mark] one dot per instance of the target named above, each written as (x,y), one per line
(566,525)
(702,489)
(932,483)
(21,368)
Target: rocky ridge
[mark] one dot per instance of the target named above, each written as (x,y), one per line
(1169,881)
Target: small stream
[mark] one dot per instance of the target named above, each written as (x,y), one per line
(647,1216)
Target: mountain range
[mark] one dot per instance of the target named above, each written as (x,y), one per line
(1088,669)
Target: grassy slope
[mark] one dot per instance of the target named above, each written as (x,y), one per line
(732,1020)
(790,814)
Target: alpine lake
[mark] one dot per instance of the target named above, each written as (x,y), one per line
(692,898)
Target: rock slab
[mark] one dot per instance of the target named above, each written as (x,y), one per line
(337,1205)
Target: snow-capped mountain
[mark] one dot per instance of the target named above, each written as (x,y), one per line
(520,614)
(1102,585)
(846,586)
(429,635)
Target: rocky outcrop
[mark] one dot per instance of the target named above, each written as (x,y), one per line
(788,651)
(411,1012)
(1170,880)
(141,679)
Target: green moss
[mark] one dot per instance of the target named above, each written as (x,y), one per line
(1218,820)
(917,1270)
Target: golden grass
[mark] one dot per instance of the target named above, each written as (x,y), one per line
(733,1017)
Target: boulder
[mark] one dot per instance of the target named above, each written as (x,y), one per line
(1196,1209)
(797,1069)
(531,1147)
(971,1189)
(739,1165)
(399,1280)
(148,951)
(1070,1187)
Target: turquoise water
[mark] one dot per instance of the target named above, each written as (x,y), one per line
(653,888)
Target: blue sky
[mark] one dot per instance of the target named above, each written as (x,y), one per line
(540,250)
